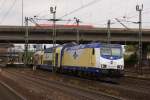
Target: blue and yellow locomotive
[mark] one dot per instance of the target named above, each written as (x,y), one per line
(95,58)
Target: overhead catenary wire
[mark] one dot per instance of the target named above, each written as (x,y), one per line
(128,21)
(82,7)
(6,14)
(146,11)
(77,9)
(127,17)
(40,13)
(121,23)
(33,20)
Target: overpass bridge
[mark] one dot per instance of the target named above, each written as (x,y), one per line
(16,34)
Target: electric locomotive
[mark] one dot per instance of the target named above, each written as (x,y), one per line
(94,58)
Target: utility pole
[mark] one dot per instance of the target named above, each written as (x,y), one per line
(26,41)
(53,11)
(78,34)
(140,9)
(108,32)
(22,12)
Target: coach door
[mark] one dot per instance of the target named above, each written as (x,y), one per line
(56,59)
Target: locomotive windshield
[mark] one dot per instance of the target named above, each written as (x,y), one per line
(116,51)
(105,51)
(108,51)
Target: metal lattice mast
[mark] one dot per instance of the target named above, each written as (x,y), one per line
(53,11)
(26,41)
(108,32)
(78,34)
(140,9)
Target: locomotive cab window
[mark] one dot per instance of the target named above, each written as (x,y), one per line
(106,51)
(116,52)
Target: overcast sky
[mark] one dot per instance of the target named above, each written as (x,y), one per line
(92,12)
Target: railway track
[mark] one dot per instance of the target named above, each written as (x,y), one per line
(79,92)
(127,89)
(7,93)
(125,81)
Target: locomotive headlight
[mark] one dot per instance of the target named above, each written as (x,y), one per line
(119,67)
(103,66)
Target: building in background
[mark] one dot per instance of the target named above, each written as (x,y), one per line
(15,55)
(4,55)
(38,47)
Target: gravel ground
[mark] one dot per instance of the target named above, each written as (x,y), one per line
(6,94)
(127,88)
(34,88)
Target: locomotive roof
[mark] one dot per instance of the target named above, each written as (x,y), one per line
(72,46)
(92,45)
